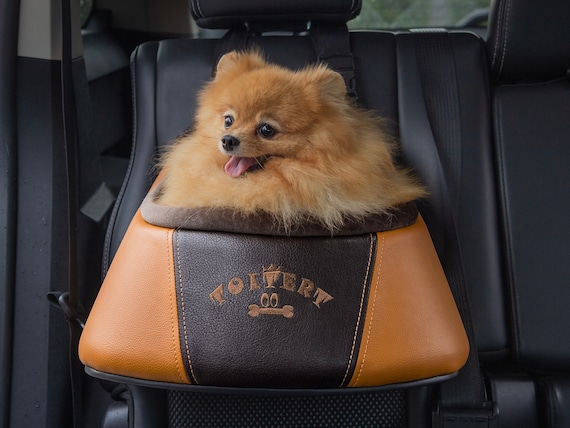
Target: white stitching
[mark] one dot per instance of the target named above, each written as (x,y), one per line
(184,328)
(503,16)
(506,36)
(497,38)
(197,9)
(371,312)
(174,329)
(371,251)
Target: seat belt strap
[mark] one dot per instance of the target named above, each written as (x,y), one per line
(463,399)
(68,301)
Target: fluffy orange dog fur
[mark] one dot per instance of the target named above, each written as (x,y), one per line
(285,142)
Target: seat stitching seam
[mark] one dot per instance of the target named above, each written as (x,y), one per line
(507,224)
(370,252)
(173,323)
(183,307)
(504,50)
(197,8)
(120,197)
(371,312)
(498,38)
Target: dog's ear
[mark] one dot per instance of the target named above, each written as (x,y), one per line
(238,62)
(330,82)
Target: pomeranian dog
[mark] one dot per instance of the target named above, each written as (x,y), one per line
(287,143)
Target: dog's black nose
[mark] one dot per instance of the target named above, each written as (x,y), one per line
(229,142)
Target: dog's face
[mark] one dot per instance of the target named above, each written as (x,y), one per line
(254,112)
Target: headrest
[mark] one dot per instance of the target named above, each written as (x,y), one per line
(224,14)
(529,40)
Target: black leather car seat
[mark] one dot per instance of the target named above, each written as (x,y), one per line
(166,77)
(529,52)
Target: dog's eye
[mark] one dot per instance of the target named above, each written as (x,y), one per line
(228,121)
(266,131)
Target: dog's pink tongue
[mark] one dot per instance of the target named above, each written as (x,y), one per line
(236,166)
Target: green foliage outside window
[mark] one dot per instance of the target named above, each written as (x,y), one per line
(401,14)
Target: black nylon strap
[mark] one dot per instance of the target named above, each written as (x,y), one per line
(332,43)
(439,87)
(69,113)
(233,40)
(422,72)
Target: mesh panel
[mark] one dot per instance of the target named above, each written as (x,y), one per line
(387,409)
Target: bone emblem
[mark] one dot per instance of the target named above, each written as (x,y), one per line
(256,310)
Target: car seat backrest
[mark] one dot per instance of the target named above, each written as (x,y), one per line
(454,87)
(529,50)
(529,40)
(167,75)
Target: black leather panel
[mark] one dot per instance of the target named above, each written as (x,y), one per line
(227,14)
(137,179)
(182,70)
(477,215)
(528,39)
(532,132)
(260,311)
(159,115)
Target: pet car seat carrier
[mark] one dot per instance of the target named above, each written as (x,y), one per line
(163,109)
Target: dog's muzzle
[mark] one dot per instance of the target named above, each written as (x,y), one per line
(229,142)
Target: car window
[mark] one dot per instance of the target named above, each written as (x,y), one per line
(85,9)
(401,14)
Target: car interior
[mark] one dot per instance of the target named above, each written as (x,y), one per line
(481,115)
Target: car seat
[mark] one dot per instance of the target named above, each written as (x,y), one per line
(529,54)
(166,76)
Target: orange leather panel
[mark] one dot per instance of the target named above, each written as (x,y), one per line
(132,329)
(412,328)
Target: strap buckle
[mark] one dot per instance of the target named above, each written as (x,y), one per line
(61,300)
(487,416)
